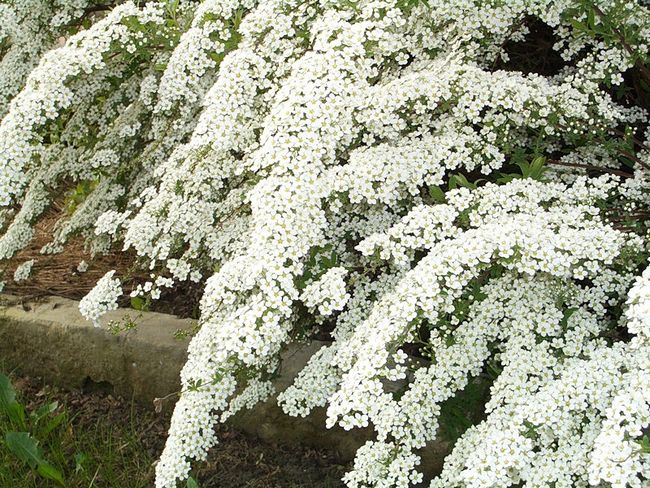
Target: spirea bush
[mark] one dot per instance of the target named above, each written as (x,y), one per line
(376,171)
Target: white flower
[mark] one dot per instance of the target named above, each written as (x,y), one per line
(101,299)
(328,293)
(23,271)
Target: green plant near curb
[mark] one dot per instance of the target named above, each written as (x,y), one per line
(24,442)
(79,437)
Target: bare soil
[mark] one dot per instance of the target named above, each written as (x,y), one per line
(120,433)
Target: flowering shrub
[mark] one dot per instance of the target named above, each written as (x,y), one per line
(364,168)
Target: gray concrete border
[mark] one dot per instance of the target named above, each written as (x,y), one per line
(49,338)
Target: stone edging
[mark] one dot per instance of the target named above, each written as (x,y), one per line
(49,338)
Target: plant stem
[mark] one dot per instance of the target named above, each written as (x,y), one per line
(637,62)
(623,174)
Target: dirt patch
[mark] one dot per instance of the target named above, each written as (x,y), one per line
(57,274)
(121,442)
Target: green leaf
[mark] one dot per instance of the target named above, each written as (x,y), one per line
(437,194)
(566,316)
(8,404)
(536,169)
(591,18)
(460,180)
(51,473)
(138,303)
(191,483)
(329,262)
(518,155)
(16,413)
(7,393)
(172,6)
(301,282)
(644,444)
(53,424)
(525,168)
(507,178)
(577,25)
(216,57)
(531,430)
(24,447)
(45,410)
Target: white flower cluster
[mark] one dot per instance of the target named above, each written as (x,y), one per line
(101,299)
(82,267)
(29,28)
(328,292)
(109,222)
(23,271)
(211,35)
(638,313)
(294,153)
(46,95)
(617,458)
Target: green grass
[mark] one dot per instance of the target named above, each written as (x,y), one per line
(89,448)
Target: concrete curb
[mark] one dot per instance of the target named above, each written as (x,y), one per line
(49,338)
